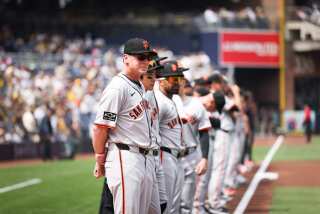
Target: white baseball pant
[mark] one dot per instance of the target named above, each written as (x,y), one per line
(161,185)
(129,177)
(218,171)
(174,177)
(234,159)
(189,186)
(202,187)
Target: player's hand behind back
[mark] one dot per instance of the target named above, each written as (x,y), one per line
(202,166)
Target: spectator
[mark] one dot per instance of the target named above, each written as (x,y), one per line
(30,123)
(317,121)
(315,16)
(307,123)
(211,17)
(46,133)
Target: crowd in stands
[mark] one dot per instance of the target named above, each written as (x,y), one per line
(310,14)
(247,17)
(67,89)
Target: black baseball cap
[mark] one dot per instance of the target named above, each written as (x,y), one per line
(172,69)
(155,64)
(219,100)
(138,46)
(201,81)
(202,91)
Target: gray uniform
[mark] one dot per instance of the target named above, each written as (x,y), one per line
(220,157)
(171,137)
(192,107)
(235,152)
(156,142)
(202,187)
(130,174)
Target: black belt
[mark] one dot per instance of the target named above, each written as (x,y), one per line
(122,146)
(179,154)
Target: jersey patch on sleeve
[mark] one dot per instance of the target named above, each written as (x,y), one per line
(109,116)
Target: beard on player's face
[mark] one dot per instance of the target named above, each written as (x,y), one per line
(174,89)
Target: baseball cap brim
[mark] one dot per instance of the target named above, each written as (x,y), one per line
(155,68)
(178,73)
(146,52)
(183,69)
(157,59)
(162,58)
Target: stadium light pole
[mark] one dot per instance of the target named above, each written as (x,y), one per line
(282,64)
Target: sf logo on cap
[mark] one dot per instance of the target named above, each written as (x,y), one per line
(174,67)
(145,44)
(152,63)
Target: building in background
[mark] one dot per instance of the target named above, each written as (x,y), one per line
(302,58)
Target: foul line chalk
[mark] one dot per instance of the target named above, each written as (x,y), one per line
(20,185)
(258,176)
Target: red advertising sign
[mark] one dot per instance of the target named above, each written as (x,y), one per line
(259,49)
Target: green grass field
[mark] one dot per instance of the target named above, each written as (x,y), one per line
(68,187)
(294,200)
(291,152)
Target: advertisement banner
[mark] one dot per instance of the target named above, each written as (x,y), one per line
(249,49)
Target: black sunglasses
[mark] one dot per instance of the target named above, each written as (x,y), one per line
(142,57)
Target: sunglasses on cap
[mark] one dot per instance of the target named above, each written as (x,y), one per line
(142,57)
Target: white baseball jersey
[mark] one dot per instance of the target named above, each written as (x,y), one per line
(123,109)
(170,125)
(154,115)
(227,123)
(156,140)
(191,106)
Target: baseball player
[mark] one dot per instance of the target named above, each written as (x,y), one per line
(123,128)
(170,126)
(195,129)
(214,103)
(148,80)
(223,138)
(249,111)
(236,144)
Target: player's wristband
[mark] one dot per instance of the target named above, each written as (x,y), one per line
(100,158)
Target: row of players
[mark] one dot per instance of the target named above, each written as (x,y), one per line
(152,138)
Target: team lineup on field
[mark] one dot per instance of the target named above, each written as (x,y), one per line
(148,107)
(154,138)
